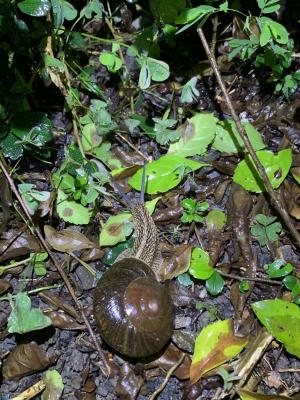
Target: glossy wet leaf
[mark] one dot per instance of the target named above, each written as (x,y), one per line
(215,220)
(282,320)
(23,318)
(67,240)
(25,359)
(278,269)
(215,345)
(228,140)
(119,226)
(35,8)
(276,167)
(177,263)
(214,284)
(200,267)
(70,211)
(164,174)
(54,385)
(197,134)
(11,148)
(33,126)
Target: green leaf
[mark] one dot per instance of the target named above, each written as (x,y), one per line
(33,126)
(228,139)
(35,8)
(276,167)
(215,284)
(278,31)
(215,345)
(70,211)
(112,254)
(282,320)
(145,76)
(93,6)
(273,230)
(23,318)
(216,220)
(62,10)
(193,14)
(189,92)
(185,280)
(10,148)
(167,10)
(198,133)
(119,226)
(200,267)
(278,269)
(54,385)
(111,61)
(159,70)
(163,174)
(290,282)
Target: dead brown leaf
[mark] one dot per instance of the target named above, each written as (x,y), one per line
(25,359)
(67,240)
(63,321)
(177,263)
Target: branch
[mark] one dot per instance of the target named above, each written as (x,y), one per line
(275,198)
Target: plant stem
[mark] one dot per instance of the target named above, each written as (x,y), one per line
(275,197)
(37,290)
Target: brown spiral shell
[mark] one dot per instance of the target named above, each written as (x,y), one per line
(133,311)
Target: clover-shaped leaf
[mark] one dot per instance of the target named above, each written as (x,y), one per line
(23,318)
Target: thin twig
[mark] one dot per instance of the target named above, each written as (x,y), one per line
(131,145)
(272,193)
(105,368)
(245,278)
(166,380)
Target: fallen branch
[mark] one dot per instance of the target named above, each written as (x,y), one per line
(275,197)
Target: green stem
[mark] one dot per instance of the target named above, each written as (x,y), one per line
(37,290)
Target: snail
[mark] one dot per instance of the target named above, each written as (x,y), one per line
(133,310)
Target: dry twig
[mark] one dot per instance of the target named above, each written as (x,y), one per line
(275,197)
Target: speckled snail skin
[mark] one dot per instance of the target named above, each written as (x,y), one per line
(133,311)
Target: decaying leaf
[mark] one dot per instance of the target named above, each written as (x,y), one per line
(63,321)
(4,286)
(247,395)
(67,240)
(16,243)
(129,384)
(25,359)
(170,357)
(177,263)
(215,345)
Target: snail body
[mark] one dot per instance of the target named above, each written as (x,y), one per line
(133,311)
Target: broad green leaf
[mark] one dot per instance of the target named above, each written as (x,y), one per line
(32,125)
(228,139)
(35,8)
(62,10)
(200,267)
(279,33)
(112,254)
(215,220)
(276,167)
(23,318)
(215,345)
(282,320)
(111,61)
(163,174)
(191,14)
(54,385)
(11,148)
(159,70)
(70,211)
(198,133)
(119,226)
(215,284)
(90,137)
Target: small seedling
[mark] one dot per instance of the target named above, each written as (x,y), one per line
(265,229)
(228,378)
(193,211)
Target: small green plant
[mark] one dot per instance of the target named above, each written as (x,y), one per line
(193,211)
(32,197)
(189,92)
(278,269)
(244,287)
(266,229)
(163,133)
(210,308)
(292,283)
(228,378)
(37,260)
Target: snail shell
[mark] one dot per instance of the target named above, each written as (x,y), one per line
(133,311)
